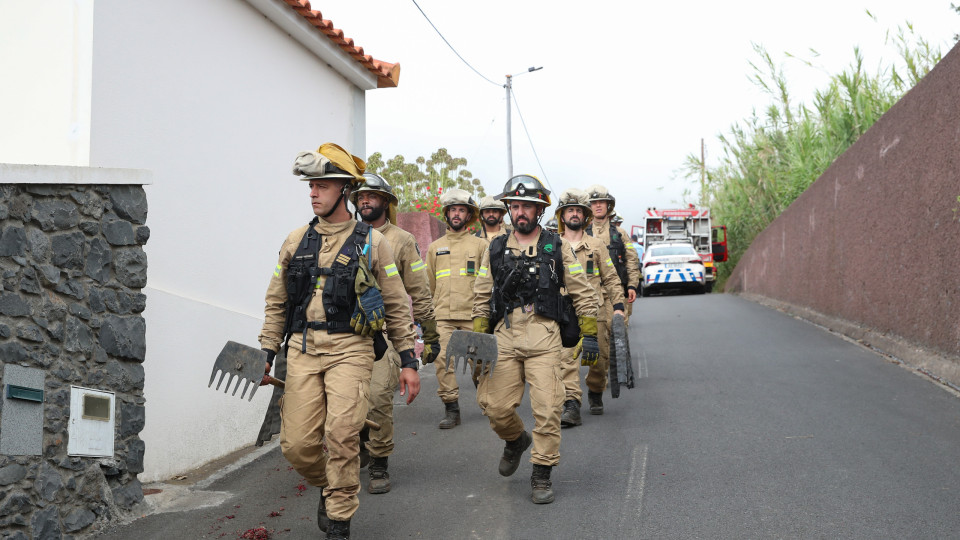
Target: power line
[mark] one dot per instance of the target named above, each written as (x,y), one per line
(451,46)
(530,140)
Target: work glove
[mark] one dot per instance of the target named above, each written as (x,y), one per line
(369,302)
(431,341)
(588,348)
(481,325)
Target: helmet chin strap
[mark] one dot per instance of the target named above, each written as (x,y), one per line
(343,191)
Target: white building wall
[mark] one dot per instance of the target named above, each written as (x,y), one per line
(45,55)
(216,101)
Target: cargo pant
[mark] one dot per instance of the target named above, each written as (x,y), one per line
(597,374)
(325,403)
(447,387)
(528,352)
(383,386)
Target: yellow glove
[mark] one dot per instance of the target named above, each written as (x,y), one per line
(481,325)
(588,348)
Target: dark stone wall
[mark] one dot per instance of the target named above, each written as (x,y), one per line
(876,239)
(72,266)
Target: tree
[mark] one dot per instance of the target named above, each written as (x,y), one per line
(420,184)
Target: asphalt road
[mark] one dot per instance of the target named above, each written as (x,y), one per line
(745,423)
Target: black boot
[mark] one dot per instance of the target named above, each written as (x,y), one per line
(596,402)
(541,484)
(322,520)
(339,530)
(379,478)
(452,418)
(571,414)
(512,452)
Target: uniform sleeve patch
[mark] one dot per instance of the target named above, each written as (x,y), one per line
(482,272)
(417,266)
(609,262)
(575,269)
(276,271)
(391,270)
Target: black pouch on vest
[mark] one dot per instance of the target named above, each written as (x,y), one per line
(569,324)
(379,346)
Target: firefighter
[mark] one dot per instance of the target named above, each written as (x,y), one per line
(551,225)
(519,300)
(334,288)
(453,263)
(491,218)
(377,206)
(627,265)
(574,215)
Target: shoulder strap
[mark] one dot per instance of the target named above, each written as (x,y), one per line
(497,246)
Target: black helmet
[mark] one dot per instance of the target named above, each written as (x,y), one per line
(375,182)
(524,187)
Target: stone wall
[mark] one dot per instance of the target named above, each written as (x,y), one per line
(870,249)
(73,265)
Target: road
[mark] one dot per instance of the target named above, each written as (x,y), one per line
(745,423)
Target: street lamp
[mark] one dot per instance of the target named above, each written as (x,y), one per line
(509,87)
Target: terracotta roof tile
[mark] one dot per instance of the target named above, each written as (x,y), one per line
(387,74)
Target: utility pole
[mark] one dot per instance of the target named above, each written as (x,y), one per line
(509,88)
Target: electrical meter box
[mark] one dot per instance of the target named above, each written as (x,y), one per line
(92,422)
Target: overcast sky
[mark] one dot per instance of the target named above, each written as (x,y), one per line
(627,89)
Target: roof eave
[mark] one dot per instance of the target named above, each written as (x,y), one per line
(319,44)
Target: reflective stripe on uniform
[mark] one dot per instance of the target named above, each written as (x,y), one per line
(609,262)
(417,266)
(482,272)
(575,269)
(443,273)
(276,271)
(391,270)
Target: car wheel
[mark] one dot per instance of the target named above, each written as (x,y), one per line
(709,286)
(644,292)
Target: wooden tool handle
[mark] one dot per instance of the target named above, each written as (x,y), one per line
(277,382)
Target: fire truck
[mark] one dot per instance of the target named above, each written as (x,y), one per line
(689,224)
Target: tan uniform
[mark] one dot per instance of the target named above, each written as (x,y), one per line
(595,260)
(529,352)
(386,372)
(325,401)
(453,264)
(597,375)
(482,233)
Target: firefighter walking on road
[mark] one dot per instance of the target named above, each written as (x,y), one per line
(519,300)
(453,264)
(377,206)
(491,219)
(573,216)
(334,288)
(627,265)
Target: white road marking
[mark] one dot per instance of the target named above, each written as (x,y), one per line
(633,498)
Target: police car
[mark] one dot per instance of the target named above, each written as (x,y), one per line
(672,265)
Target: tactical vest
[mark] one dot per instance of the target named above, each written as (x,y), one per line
(522,280)
(618,254)
(339,299)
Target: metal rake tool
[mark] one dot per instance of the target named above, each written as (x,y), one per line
(465,346)
(245,364)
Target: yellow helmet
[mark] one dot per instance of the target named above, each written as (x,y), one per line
(573,197)
(597,192)
(329,161)
(457,196)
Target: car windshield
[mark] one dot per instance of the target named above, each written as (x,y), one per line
(671,250)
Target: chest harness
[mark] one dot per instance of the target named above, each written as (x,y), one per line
(339,298)
(618,254)
(521,280)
